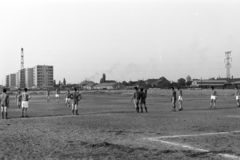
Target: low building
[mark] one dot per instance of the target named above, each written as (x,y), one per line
(86,82)
(236,83)
(89,86)
(130,87)
(235,80)
(108,86)
(209,83)
(141,84)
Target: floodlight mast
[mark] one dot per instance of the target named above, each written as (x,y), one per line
(22,59)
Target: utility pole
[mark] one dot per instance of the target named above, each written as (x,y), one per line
(201,83)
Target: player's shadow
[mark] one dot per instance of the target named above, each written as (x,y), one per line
(70,115)
(112,112)
(210,109)
(39,116)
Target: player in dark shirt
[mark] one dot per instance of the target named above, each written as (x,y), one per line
(76,97)
(4,103)
(48,95)
(19,98)
(143,96)
(174,99)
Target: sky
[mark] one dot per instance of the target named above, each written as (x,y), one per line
(125,39)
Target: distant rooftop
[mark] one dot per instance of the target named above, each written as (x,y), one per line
(105,84)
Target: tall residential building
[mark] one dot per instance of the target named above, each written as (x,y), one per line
(7,81)
(12,80)
(29,77)
(21,79)
(43,76)
(16,80)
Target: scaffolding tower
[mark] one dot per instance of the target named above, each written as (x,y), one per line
(228,64)
(22,59)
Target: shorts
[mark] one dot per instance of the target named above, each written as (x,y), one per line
(237,97)
(25,104)
(75,106)
(213,97)
(57,95)
(67,100)
(3,109)
(143,101)
(180,98)
(75,102)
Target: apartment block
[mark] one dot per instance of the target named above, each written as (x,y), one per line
(43,76)
(20,83)
(12,80)
(29,77)
(7,81)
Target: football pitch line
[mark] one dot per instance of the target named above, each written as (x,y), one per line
(194,148)
(233,116)
(159,139)
(195,135)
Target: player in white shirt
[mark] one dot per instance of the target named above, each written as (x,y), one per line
(213,98)
(57,95)
(180,99)
(68,99)
(136,98)
(25,104)
(237,94)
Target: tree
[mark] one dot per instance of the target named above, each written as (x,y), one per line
(181,82)
(59,83)
(64,81)
(188,83)
(124,83)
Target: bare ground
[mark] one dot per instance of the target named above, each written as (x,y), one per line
(109,128)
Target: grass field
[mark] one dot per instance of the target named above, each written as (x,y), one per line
(109,128)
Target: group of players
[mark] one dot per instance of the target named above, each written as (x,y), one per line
(139,98)
(72,99)
(213,98)
(22,100)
